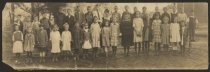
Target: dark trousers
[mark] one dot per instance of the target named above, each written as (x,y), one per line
(146,47)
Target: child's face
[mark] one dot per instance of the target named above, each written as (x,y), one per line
(95,19)
(41,27)
(157,17)
(77,25)
(86,26)
(182,24)
(107,24)
(165,20)
(114,20)
(66,28)
(16,28)
(175,20)
(29,30)
(156,9)
(36,18)
(137,14)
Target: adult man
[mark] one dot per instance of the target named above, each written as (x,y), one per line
(60,19)
(89,16)
(70,19)
(98,14)
(165,13)
(116,15)
(19,22)
(146,31)
(79,16)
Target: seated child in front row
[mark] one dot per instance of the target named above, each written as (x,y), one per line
(17,39)
(55,39)
(66,41)
(29,43)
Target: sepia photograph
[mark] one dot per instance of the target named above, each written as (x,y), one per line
(105,36)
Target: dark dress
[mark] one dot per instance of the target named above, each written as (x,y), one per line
(42,39)
(167,15)
(126,29)
(147,34)
(79,17)
(60,20)
(192,25)
(71,21)
(20,25)
(77,35)
(173,16)
(89,18)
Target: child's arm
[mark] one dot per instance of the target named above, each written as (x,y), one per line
(13,38)
(170,28)
(152,26)
(59,35)
(50,36)
(46,36)
(70,37)
(22,36)
(196,23)
(33,40)
(62,36)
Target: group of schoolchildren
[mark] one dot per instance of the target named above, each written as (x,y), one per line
(83,39)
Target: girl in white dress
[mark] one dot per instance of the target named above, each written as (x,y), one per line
(137,32)
(95,35)
(17,39)
(55,39)
(175,34)
(66,41)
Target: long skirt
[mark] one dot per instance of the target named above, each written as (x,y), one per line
(17,47)
(127,33)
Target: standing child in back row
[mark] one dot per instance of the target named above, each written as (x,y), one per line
(17,39)
(66,39)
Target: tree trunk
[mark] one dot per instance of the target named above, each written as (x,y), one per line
(12,15)
(35,11)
